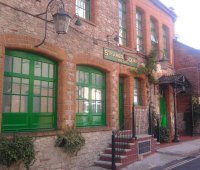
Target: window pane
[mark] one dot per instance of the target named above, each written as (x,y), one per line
(94,106)
(37,87)
(6,103)
(25,86)
(44,104)
(51,89)
(16,85)
(51,70)
(37,68)
(98,95)
(93,94)
(86,107)
(82,77)
(24,104)
(93,78)
(86,93)
(8,64)
(15,103)
(44,89)
(7,85)
(25,66)
(81,106)
(77,106)
(17,65)
(45,70)
(50,104)
(36,104)
(99,106)
(86,78)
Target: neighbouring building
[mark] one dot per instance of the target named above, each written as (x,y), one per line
(82,78)
(187,63)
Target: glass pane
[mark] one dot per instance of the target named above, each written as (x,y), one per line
(37,68)
(94,106)
(86,107)
(44,89)
(15,103)
(99,106)
(81,92)
(25,66)
(50,104)
(8,64)
(81,78)
(86,78)
(77,92)
(37,87)
(7,85)
(24,104)
(6,103)
(25,86)
(77,77)
(98,95)
(36,104)
(76,106)
(44,104)
(51,89)
(16,85)
(81,106)
(17,65)
(86,93)
(51,70)
(99,79)
(45,70)
(93,78)
(93,94)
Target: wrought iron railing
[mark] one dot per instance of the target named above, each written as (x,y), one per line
(121,140)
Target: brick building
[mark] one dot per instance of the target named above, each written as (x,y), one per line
(187,62)
(81,78)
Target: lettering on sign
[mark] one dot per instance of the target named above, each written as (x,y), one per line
(119,57)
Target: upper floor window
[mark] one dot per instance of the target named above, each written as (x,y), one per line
(154,35)
(83,8)
(122,23)
(139,31)
(137,91)
(165,43)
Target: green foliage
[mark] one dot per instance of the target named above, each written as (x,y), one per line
(72,141)
(148,68)
(19,148)
(164,134)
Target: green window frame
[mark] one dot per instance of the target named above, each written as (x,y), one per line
(90,97)
(154,35)
(137,91)
(29,93)
(83,9)
(165,43)
(139,30)
(122,23)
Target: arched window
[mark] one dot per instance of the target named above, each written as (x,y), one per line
(29,93)
(90,97)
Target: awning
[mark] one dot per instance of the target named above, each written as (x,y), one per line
(178,81)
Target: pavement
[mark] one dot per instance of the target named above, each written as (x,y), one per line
(166,154)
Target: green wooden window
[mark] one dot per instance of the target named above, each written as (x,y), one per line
(83,8)
(139,31)
(137,91)
(165,43)
(90,97)
(154,35)
(122,23)
(29,93)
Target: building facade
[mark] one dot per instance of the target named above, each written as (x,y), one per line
(82,78)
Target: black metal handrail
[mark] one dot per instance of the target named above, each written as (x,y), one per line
(121,139)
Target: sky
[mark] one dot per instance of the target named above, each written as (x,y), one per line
(187,25)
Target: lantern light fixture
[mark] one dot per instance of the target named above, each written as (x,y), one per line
(61,21)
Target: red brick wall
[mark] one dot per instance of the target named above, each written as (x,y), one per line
(22,30)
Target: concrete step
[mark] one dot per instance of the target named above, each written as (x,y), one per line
(107,165)
(119,151)
(123,145)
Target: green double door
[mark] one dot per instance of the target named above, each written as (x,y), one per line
(121,102)
(29,93)
(163,106)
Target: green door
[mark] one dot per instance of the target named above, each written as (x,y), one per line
(121,102)
(29,93)
(163,106)
(90,97)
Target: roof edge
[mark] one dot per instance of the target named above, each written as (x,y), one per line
(160,5)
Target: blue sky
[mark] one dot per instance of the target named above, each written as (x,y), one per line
(187,25)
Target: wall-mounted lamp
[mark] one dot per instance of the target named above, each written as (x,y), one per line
(61,20)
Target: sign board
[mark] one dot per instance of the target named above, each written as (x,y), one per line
(119,57)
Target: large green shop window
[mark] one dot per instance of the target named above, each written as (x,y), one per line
(90,97)
(29,94)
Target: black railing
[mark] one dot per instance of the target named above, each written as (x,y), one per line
(121,140)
